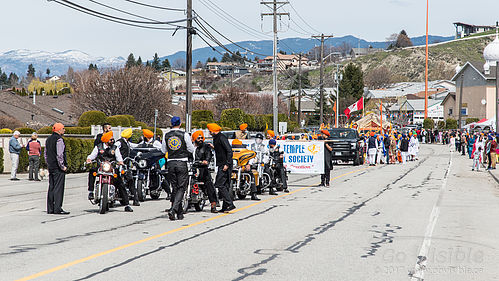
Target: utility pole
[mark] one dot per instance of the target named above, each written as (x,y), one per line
(299,89)
(274,6)
(188,69)
(338,77)
(171,81)
(321,81)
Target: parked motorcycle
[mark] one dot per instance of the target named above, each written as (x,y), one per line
(147,173)
(194,195)
(264,179)
(241,179)
(274,170)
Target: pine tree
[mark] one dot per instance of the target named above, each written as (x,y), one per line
(47,72)
(352,84)
(226,58)
(165,65)
(139,61)
(214,59)
(156,63)
(208,60)
(130,61)
(403,40)
(199,64)
(148,64)
(13,79)
(31,71)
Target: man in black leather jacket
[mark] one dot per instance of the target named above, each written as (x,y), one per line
(204,155)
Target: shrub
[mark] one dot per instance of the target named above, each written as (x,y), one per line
(202,115)
(451,124)
(118,120)
(441,125)
(136,135)
(1,160)
(78,131)
(23,161)
(428,123)
(130,118)
(9,122)
(6,131)
(92,117)
(45,130)
(140,124)
(203,125)
(232,118)
(471,120)
(77,151)
(25,131)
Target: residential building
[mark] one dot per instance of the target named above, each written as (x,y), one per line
(413,111)
(358,52)
(226,69)
(283,62)
(464,29)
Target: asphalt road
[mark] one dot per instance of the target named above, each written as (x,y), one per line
(432,219)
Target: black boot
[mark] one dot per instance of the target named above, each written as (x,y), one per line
(254,198)
(271,191)
(171,214)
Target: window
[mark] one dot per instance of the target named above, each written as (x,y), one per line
(464,111)
(450,111)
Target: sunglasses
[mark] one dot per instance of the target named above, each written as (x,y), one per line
(200,138)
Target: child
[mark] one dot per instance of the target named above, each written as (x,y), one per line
(477,155)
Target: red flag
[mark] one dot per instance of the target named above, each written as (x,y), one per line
(359,105)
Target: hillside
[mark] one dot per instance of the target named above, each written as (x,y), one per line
(409,63)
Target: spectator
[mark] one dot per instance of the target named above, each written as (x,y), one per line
(34,149)
(14,150)
(492,153)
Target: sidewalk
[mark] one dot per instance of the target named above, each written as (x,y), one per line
(483,168)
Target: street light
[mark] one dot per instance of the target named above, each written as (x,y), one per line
(337,78)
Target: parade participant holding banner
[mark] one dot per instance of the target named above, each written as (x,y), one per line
(328,165)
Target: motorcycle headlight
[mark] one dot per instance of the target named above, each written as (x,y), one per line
(106,167)
(142,163)
(234,162)
(354,145)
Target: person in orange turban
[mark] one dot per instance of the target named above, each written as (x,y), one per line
(148,134)
(270,134)
(242,134)
(196,135)
(237,144)
(326,133)
(213,127)
(203,155)
(107,137)
(149,140)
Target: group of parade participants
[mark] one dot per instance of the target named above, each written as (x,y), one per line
(179,148)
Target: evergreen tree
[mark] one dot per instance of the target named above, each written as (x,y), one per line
(352,85)
(305,82)
(214,59)
(148,64)
(139,61)
(130,61)
(166,64)
(13,79)
(208,60)
(226,58)
(403,40)
(3,78)
(156,63)
(237,57)
(199,64)
(256,59)
(282,52)
(31,71)
(92,67)
(47,72)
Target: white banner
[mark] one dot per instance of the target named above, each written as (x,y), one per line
(300,157)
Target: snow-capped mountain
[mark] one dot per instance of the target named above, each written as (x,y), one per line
(17,61)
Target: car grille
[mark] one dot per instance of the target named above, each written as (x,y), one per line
(341,146)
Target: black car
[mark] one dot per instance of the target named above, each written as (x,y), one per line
(347,145)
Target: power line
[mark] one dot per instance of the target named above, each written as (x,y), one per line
(118,18)
(156,7)
(291,5)
(112,20)
(128,13)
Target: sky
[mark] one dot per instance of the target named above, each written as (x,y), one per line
(46,25)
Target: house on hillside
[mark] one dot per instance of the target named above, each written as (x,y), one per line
(283,62)
(224,69)
(413,110)
(464,29)
(359,52)
(174,74)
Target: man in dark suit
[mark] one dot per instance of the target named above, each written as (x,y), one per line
(55,157)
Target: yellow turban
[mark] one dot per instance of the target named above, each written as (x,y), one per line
(127,133)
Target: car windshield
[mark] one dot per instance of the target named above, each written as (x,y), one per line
(343,134)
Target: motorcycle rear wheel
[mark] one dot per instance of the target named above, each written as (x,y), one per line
(103,207)
(155,195)
(185,202)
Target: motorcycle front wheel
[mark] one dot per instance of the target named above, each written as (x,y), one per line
(141,190)
(185,201)
(103,207)
(155,194)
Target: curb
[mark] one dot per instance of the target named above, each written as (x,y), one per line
(493,176)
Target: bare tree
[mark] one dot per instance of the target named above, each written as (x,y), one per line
(392,40)
(378,78)
(403,40)
(134,90)
(179,64)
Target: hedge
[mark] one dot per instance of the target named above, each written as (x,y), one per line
(77,151)
(471,120)
(119,120)
(25,131)
(140,124)
(232,118)
(6,131)
(441,125)
(451,124)
(69,130)
(428,123)
(1,160)
(23,161)
(92,117)
(202,115)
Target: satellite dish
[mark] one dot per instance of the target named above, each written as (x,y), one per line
(484,102)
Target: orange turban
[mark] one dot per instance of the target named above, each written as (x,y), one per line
(147,133)
(106,137)
(57,127)
(237,142)
(271,133)
(243,126)
(372,134)
(196,134)
(326,132)
(213,127)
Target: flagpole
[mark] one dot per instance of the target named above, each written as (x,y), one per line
(363,108)
(426,66)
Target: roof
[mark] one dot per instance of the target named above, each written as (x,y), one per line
(449,95)
(406,88)
(467,24)
(478,67)
(287,57)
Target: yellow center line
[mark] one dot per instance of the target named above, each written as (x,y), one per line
(78,261)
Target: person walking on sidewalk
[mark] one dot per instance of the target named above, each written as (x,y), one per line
(14,150)
(34,149)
